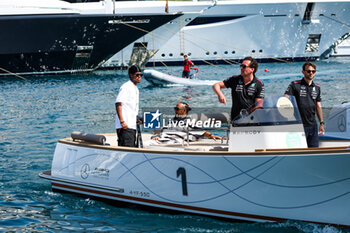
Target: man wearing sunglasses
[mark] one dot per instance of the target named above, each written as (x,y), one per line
(177,134)
(247,91)
(127,107)
(308,97)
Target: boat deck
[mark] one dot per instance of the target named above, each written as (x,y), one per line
(207,146)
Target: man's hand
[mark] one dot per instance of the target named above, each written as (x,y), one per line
(217,90)
(124,125)
(322,131)
(222,99)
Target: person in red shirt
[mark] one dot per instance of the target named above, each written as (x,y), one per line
(187,67)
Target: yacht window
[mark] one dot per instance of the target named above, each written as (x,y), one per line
(208,20)
(215,53)
(226,52)
(170,54)
(275,15)
(163,55)
(140,45)
(313,42)
(207,53)
(308,11)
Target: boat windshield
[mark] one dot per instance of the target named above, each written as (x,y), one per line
(276,111)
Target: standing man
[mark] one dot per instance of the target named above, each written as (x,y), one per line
(127,107)
(187,67)
(247,91)
(308,97)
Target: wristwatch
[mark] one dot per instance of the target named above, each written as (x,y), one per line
(321,122)
(122,122)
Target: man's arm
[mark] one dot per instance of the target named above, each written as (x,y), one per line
(217,90)
(210,136)
(320,116)
(289,91)
(259,102)
(118,108)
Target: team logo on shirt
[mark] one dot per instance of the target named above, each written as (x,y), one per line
(314,93)
(152,120)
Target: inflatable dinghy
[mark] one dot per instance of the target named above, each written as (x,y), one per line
(161,79)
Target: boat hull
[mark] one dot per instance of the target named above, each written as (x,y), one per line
(305,185)
(60,43)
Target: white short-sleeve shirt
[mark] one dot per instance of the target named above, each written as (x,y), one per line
(128,95)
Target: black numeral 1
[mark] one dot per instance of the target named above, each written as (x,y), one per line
(181,171)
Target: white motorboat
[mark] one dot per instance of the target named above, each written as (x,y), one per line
(263,172)
(264,29)
(159,79)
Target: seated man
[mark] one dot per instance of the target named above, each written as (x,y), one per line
(178,131)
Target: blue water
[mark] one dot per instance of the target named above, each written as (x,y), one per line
(35,113)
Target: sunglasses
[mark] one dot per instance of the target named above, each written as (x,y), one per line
(139,74)
(244,66)
(311,71)
(177,108)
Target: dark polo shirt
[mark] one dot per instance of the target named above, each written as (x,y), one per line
(243,96)
(306,97)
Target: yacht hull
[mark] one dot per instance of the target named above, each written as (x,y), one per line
(66,43)
(268,31)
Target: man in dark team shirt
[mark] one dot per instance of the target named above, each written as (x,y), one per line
(247,91)
(308,97)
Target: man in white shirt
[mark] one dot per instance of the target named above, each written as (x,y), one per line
(127,107)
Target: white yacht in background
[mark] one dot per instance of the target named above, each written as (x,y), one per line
(265,29)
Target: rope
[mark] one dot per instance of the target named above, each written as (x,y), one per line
(210,63)
(132,26)
(18,76)
(164,64)
(338,21)
(347,26)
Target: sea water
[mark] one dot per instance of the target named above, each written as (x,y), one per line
(36,112)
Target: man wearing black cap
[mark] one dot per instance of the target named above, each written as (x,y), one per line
(127,107)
